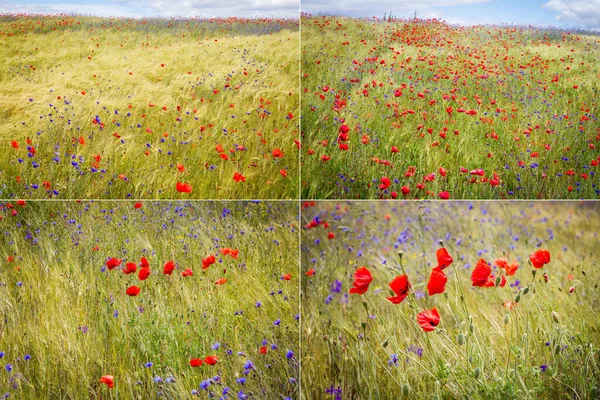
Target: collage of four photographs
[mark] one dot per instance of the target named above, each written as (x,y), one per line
(299,200)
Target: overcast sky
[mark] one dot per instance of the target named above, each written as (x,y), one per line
(574,13)
(165,8)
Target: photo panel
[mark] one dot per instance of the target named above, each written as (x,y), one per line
(451,299)
(438,100)
(149,300)
(150,105)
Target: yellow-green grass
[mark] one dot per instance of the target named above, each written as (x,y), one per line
(72,316)
(481,349)
(510,69)
(48,64)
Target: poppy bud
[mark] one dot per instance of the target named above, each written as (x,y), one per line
(476,372)
(506,319)
(533,272)
(385,343)
(498,280)
(441,242)
(557,349)
(364,325)
(518,297)
(461,339)
(471,327)
(400,254)
(365,305)
(571,289)
(525,290)
(405,390)
(555,317)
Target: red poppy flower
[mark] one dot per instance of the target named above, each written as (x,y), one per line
(211,360)
(221,281)
(277,153)
(443,258)
(481,273)
(195,362)
(130,268)
(132,291)
(330,235)
(510,269)
(169,267)
(239,177)
(310,272)
(263,350)
(428,319)
(108,380)
(208,261)
(287,277)
(184,187)
(144,273)
(144,263)
(113,262)
(362,279)
(400,285)
(187,272)
(137,205)
(437,281)
(385,183)
(540,258)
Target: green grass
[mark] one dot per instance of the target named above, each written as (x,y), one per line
(76,322)
(480,349)
(352,68)
(228,82)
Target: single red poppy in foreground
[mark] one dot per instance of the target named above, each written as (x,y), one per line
(169,267)
(132,291)
(108,380)
(195,362)
(428,319)
(362,279)
(400,285)
(437,281)
(144,273)
(482,275)
(443,258)
(540,258)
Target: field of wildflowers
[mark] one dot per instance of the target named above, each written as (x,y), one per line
(420,109)
(148,108)
(145,300)
(481,300)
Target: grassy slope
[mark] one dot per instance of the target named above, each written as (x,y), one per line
(64,292)
(437,58)
(118,64)
(349,342)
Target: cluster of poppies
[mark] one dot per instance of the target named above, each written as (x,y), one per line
(480,277)
(169,267)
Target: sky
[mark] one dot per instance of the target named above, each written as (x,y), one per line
(163,8)
(563,13)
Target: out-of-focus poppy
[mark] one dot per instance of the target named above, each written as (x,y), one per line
(362,279)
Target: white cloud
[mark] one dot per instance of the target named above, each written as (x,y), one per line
(401,8)
(163,8)
(585,12)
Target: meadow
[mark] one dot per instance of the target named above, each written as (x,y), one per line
(421,109)
(122,108)
(145,300)
(450,300)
